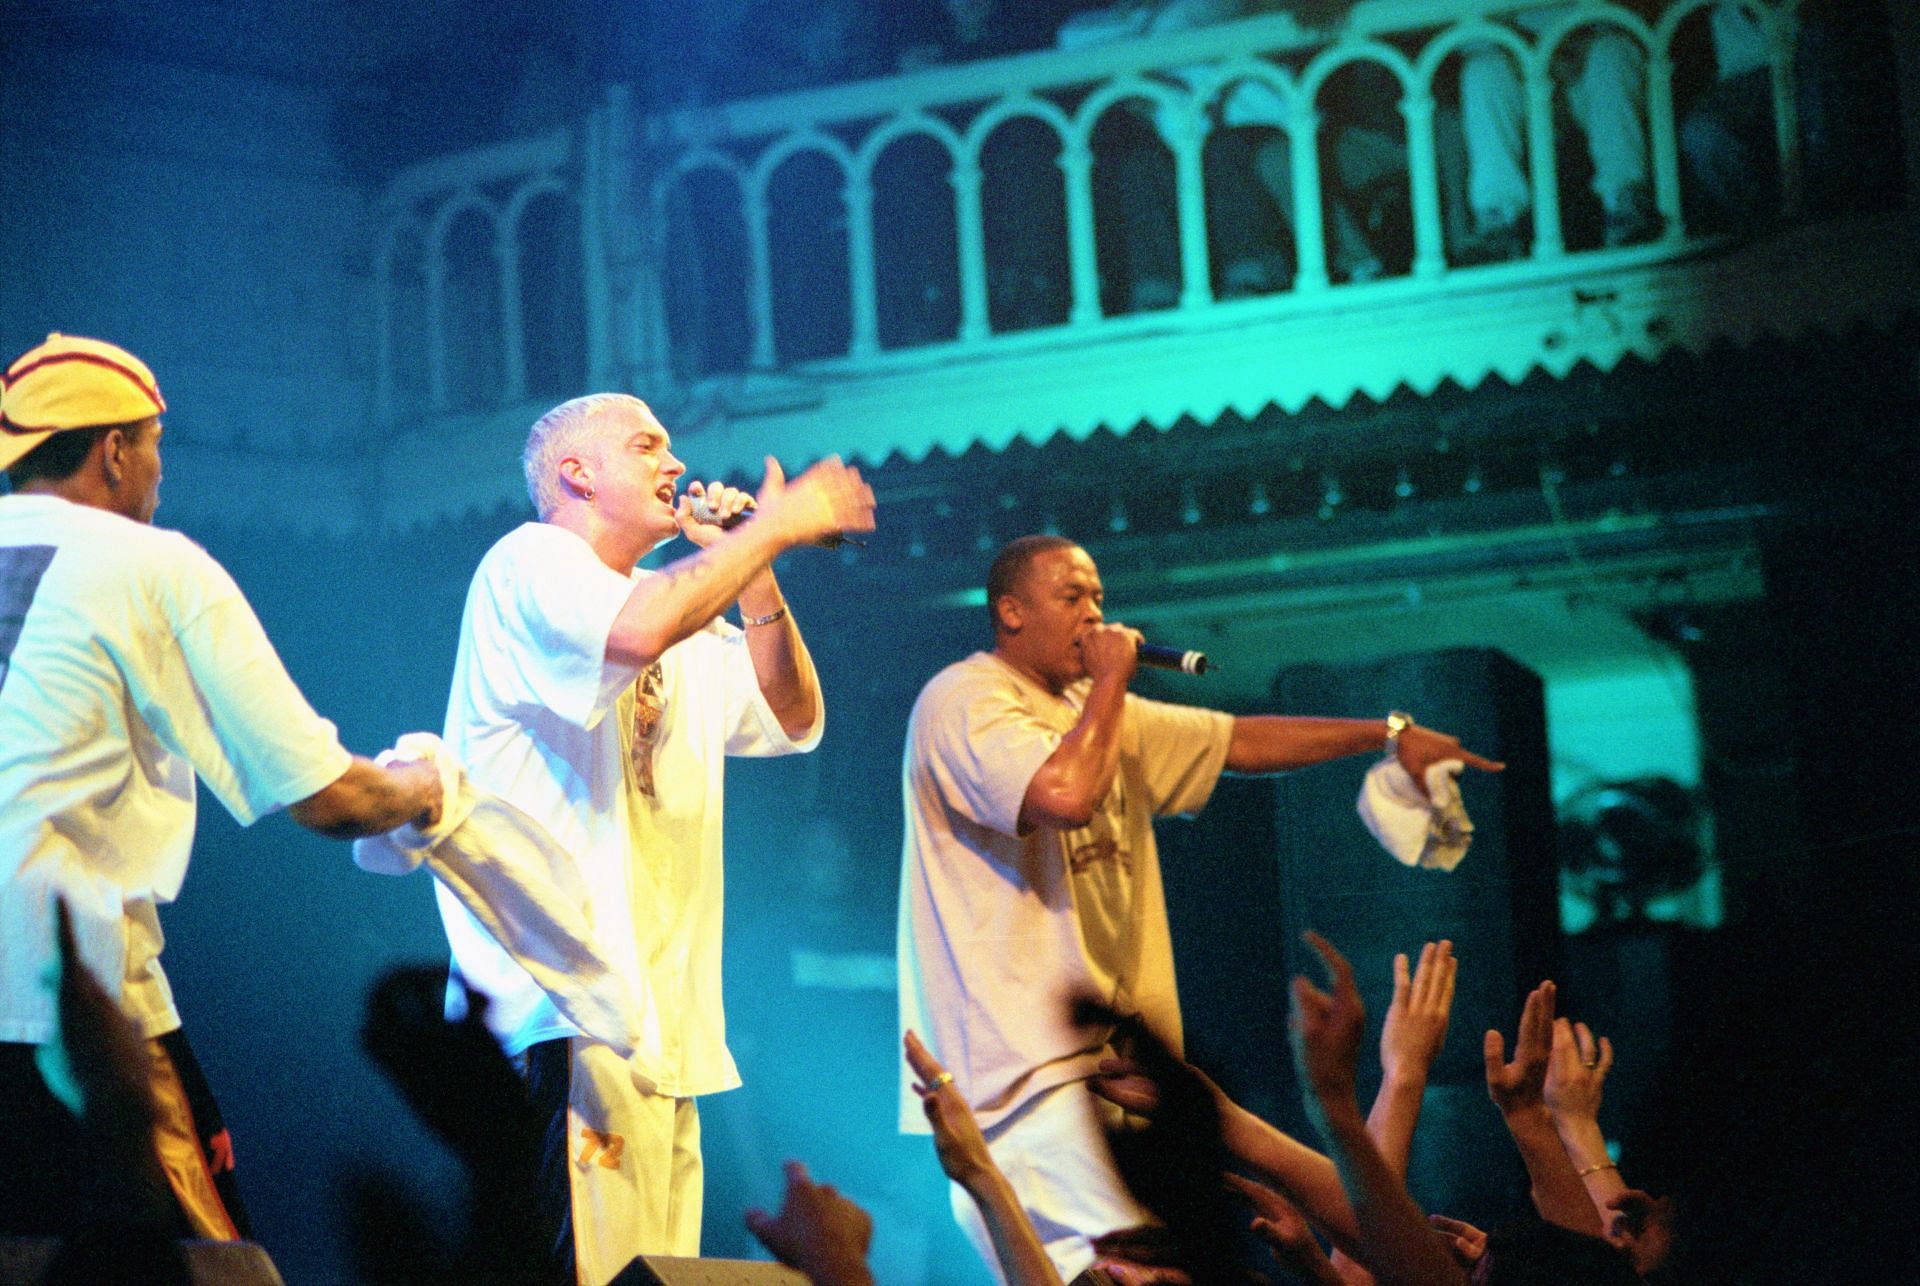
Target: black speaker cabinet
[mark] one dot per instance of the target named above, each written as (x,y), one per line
(667,1270)
(24,1260)
(1499,906)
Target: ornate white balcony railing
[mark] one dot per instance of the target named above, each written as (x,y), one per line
(458,337)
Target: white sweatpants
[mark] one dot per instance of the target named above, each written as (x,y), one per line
(635,1164)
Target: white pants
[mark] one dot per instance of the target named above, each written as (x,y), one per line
(1054,1152)
(635,1165)
(1608,100)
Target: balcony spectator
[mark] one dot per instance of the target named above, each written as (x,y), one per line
(1604,73)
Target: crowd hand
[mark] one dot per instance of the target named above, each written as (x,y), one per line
(1122,1272)
(1519,1086)
(1111,650)
(1416,1021)
(1143,1255)
(97,1064)
(1576,1071)
(1326,1030)
(818,1231)
(1276,1221)
(1466,1242)
(829,499)
(957,1140)
(1642,1226)
(453,1074)
(1419,749)
(1125,1085)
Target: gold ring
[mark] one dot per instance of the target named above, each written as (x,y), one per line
(939,1082)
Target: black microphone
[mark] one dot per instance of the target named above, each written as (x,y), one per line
(1173,658)
(703,512)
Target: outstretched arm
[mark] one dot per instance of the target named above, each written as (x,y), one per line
(1396,1243)
(1577,1068)
(1516,1088)
(817,1231)
(1304,1176)
(662,610)
(1268,743)
(963,1154)
(1410,1039)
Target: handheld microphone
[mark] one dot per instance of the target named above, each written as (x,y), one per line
(703,512)
(1173,658)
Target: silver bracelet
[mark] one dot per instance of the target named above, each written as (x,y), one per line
(768,619)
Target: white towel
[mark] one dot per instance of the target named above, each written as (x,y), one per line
(1431,830)
(522,887)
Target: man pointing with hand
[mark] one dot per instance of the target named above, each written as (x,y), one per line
(1030,875)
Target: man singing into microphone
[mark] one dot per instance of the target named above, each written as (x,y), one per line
(1031,782)
(601,700)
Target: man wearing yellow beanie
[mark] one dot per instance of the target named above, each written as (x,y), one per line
(129,663)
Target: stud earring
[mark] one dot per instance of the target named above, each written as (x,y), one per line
(589,494)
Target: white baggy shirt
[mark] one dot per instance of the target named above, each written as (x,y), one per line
(129,661)
(999,930)
(541,718)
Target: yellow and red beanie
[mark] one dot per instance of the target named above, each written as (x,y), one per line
(71,383)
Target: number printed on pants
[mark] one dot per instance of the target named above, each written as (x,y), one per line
(602,1148)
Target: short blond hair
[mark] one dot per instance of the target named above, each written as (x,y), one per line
(560,433)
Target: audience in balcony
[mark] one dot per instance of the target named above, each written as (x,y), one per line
(1603,73)
(1847,116)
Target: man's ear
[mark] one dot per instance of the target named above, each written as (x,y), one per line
(1007,614)
(114,444)
(576,474)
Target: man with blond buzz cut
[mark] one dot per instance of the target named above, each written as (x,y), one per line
(129,664)
(602,699)
(1030,876)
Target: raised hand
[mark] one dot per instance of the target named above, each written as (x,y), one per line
(957,1140)
(1416,1021)
(1577,1069)
(1518,1086)
(1467,1242)
(96,1065)
(829,499)
(817,1231)
(1326,1030)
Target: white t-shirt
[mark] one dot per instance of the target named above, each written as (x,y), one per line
(998,930)
(128,662)
(540,717)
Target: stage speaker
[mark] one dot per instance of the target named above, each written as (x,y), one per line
(669,1270)
(1500,906)
(25,1260)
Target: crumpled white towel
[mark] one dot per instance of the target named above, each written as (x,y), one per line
(522,887)
(1431,830)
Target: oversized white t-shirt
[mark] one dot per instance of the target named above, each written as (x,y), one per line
(625,769)
(129,661)
(998,930)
